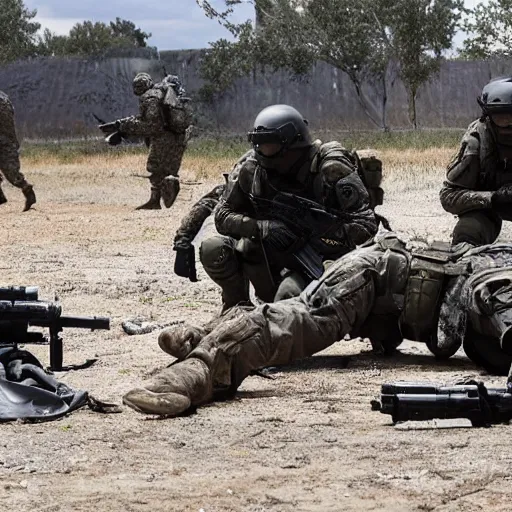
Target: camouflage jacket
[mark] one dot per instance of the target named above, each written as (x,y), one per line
(320,178)
(7,126)
(150,121)
(475,172)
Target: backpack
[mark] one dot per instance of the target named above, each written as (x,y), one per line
(175,109)
(369,168)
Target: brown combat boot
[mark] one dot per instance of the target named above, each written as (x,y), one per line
(174,390)
(3,199)
(30,197)
(170,190)
(154,201)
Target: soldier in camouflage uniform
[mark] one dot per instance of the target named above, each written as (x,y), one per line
(253,245)
(383,290)
(9,156)
(165,128)
(478,186)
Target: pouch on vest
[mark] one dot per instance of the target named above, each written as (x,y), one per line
(370,170)
(422,299)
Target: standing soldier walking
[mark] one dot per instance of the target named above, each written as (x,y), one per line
(163,119)
(9,155)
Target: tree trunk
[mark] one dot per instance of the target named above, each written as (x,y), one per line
(366,104)
(412,108)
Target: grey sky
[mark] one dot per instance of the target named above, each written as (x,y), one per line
(175,24)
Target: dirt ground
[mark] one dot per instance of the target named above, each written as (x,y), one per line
(305,441)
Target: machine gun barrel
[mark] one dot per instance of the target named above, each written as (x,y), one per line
(411,401)
(18,313)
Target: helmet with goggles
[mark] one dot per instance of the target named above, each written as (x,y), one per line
(278,129)
(496,102)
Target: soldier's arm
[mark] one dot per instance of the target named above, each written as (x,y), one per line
(357,220)
(148,122)
(459,193)
(231,217)
(193,221)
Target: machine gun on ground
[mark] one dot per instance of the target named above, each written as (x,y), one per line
(413,401)
(313,225)
(20,309)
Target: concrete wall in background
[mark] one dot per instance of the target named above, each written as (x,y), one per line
(55,97)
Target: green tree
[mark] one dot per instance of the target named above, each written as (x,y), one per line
(128,33)
(294,35)
(362,38)
(418,34)
(490,30)
(90,38)
(17,30)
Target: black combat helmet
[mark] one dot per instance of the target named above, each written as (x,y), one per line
(496,97)
(277,129)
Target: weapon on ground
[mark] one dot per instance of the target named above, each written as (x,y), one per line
(313,225)
(20,309)
(416,401)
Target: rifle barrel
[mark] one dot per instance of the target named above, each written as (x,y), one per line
(85,322)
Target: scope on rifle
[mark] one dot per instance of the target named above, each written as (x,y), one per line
(19,293)
(20,309)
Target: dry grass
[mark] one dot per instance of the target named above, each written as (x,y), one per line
(403,169)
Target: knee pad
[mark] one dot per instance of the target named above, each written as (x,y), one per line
(217,255)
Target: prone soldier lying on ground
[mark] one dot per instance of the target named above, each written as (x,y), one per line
(382,290)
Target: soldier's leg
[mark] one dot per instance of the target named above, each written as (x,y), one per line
(170,187)
(271,334)
(10,166)
(488,337)
(154,167)
(262,275)
(479,227)
(221,263)
(3,199)
(291,286)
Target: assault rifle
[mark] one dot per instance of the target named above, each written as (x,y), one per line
(313,225)
(113,136)
(413,401)
(20,309)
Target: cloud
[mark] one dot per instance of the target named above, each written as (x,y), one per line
(174,25)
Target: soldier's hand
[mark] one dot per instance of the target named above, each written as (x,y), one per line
(502,198)
(276,234)
(185,263)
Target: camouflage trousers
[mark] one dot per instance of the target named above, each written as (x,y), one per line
(165,155)
(10,167)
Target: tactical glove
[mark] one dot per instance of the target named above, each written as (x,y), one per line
(275,234)
(185,263)
(502,198)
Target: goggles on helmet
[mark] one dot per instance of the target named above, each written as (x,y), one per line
(271,142)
